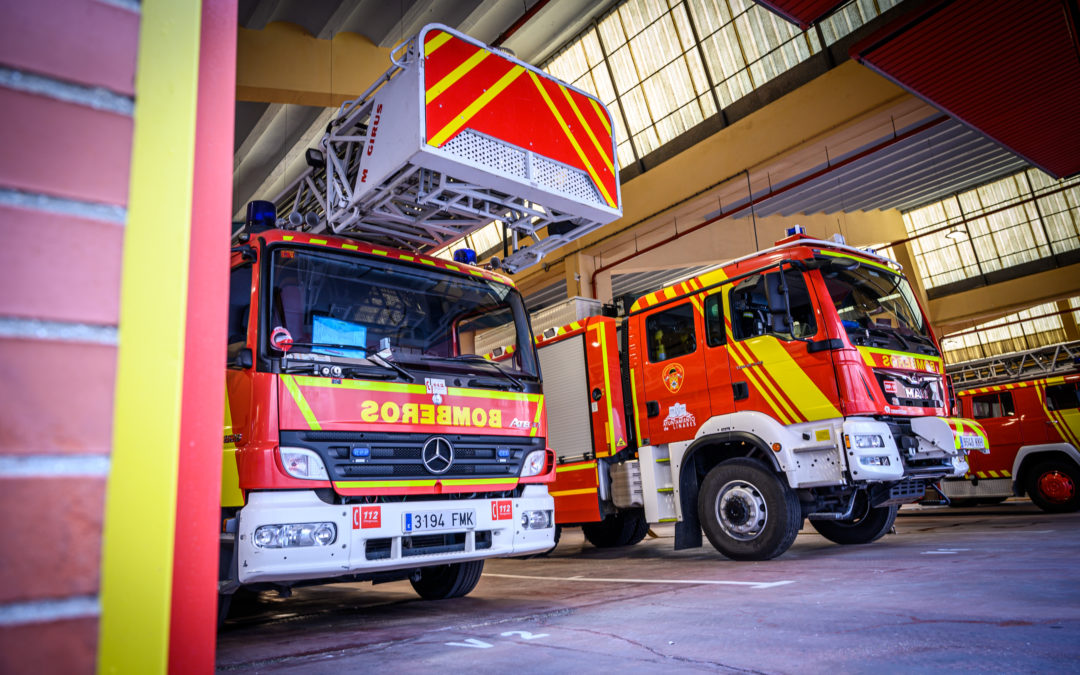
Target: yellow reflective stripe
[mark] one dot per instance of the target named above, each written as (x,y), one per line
(570,137)
(601,115)
(867,351)
(863,261)
(476,106)
(481,481)
(301,402)
(578,491)
(633,399)
(588,130)
(434,43)
(384,483)
(536,421)
(993,474)
(607,385)
(749,373)
(575,467)
(765,378)
(231,494)
(808,399)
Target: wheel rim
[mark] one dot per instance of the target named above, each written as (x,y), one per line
(741,511)
(1056,487)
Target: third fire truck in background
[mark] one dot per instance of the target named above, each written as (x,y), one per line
(802,381)
(1033,427)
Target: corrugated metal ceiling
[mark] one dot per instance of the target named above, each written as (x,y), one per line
(1009,69)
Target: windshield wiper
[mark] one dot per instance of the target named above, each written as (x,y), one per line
(926,341)
(476,358)
(296,365)
(386,363)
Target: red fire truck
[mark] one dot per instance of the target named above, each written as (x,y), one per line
(364,437)
(802,381)
(1034,432)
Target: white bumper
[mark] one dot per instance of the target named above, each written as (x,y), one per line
(936,443)
(366,543)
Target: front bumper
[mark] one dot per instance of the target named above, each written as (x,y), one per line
(931,449)
(370,541)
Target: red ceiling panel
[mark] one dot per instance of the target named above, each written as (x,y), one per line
(1009,69)
(803,12)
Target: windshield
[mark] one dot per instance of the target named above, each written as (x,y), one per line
(878,308)
(334,306)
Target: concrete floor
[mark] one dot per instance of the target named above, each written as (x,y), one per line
(982,589)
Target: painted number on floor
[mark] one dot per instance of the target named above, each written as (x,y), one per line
(473,643)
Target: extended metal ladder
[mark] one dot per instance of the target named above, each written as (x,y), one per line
(454,136)
(1040,362)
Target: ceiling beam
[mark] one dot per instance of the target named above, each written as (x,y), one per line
(284,64)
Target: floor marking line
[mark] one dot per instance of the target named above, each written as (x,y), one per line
(751,584)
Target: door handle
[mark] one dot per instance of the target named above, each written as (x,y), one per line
(1051,422)
(652,408)
(740,390)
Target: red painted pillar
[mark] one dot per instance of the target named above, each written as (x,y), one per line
(192,635)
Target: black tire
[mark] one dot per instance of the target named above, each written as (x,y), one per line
(623,528)
(442,582)
(748,512)
(1052,485)
(868,524)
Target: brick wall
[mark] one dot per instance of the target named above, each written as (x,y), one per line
(66,91)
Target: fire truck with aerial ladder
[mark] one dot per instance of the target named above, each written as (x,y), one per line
(1029,405)
(365,439)
(802,381)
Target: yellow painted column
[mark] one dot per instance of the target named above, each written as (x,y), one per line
(141,500)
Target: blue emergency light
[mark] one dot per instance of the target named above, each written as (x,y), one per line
(798,229)
(261,216)
(465,255)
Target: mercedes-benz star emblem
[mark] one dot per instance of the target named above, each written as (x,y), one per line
(437,454)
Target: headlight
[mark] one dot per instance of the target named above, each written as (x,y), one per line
(534,463)
(303,463)
(874,460)
(295,535)
(867,441)
(536,520)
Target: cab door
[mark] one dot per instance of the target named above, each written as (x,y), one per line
(673,363)
(717,361)
(773,365)
(997,415)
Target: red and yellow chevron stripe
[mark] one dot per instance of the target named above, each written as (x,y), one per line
(470,86)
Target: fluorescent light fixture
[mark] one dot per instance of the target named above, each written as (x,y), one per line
(955,235)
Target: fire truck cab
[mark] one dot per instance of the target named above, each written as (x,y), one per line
(802,381)
(1034,432)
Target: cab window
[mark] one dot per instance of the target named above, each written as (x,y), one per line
(1062,396)
(758,307)
(714,321)
(671,333)
(993,405)
(239,306)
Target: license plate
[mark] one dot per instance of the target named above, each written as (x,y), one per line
(972,442)
(435,521)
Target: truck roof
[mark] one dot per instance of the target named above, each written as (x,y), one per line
(798,246)
(1054,379)
(349,244)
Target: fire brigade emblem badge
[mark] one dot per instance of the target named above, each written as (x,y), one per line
(673,377)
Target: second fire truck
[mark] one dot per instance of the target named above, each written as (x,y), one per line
(802,381)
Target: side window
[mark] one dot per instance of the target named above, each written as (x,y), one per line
(759,307)
(671,333)
(1062,396)
(714,320)
(239,306)
(1007,408)
(987,405)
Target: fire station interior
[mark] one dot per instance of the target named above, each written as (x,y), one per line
(932,140)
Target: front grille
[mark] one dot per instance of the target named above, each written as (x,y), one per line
(389,456)
(426,544)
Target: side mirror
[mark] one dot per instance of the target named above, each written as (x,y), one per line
(244,359)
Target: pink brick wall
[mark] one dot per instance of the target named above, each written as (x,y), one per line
(64,176)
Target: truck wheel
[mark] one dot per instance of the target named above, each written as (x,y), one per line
(442,582)
(1052,486)
(747,511)
(623,528)
(870,526)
